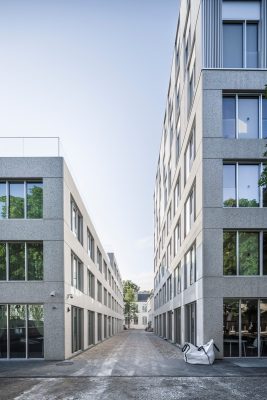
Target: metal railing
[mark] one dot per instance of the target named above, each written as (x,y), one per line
(30,146)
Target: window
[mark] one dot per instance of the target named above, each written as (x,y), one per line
(76,272)
(99,327)
(91,328)
(135,320)
(191,322)
(91,284)
(241,253)
(99,259)
(244,117)
(23,324)
(20,261)
(77,328)
(90,245)
(189,155)
(105,270)
(177,195)
(177,237)
(192,83)
(247,192)
(169,254)
(99,292)
(169,219)
(144,320)
(144,308)
(21,199)
(190,267)
(109,277)
(169,288)
(190,211)
(109,300)
(240,44)
(76,221)
(105,297)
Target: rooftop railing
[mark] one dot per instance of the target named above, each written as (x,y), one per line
(29,146)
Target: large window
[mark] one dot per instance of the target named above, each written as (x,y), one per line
(21,199)
(240,186)
(99,292)
(99,259)
(76,272)
(242,253)
(76,221)
(91,328)
(177,195)
(190,211)
(177,237)
(90,245)
(240,44)
(191,323)
(91,284)
(77,328)
(21,331)
(244,117)
(190,267)
(21,261)
(189,155)
(245,327)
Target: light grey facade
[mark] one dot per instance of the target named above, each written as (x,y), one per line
(210,215)
(70,296)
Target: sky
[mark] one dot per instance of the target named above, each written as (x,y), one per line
(95,73)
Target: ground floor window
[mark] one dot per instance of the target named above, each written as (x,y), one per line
(135,320)
(99,327)
(245,327)
(21,331)
(77,325)
(170,325)
(91,328)
(105,326)
(177,325)
(191,330)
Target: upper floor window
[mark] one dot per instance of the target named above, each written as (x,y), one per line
(190,211)
(20,261)
(90,245)
(169,219)
(177,144)
(177,237)
(190,267)
(242,253)
(21,199)
(177,195)
(99,292)
(76,272)
(244,117)
(105,270)
(76,221)
(189,155)
(240,186)
(240,44)
(91,284)
(99,259)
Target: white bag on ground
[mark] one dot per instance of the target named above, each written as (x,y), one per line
(199,355)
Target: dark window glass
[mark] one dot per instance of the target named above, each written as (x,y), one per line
(3,331)
(229,186)
(265,253)
(34,200)
(229,117)
(263,328)
(76,329)
(99,327)
(2,200)
(232,45)
(264,118)
(16,200)
(91,327)
(17,330)
(248,253)
(16,261)
(249,328)
(35,261)
(2,261)
(35,331)
(231,328)
(229,253)
(252,45)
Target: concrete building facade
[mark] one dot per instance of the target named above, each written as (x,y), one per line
(60,293)
(210,217)
(141,319)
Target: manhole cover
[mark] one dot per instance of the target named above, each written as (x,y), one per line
(63,363)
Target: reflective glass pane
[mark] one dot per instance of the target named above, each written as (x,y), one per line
(35,261)
(248,189)
(34,200)
(16,261)
(233,45)
(17,331)
(248,253)
(249,328)
(265,253)
(252,45)
(3,331)
(16,200)
(264,118)
(35,331)
(2,261)
(231,328)
(2,200)
(263,328)
(229,253)
(229,117)
(248,118)
(229,186)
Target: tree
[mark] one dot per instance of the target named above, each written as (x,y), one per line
(130,290)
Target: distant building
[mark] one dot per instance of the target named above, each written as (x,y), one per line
(141,319)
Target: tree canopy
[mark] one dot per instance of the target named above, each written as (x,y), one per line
(130,290)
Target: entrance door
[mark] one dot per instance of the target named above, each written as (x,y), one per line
(17,330)
(76,329)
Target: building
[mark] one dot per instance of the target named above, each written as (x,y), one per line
(150,311)
(141,319)
(210,218)
(60,293)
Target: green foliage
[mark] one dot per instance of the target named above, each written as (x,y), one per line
(35,261)
(130,290)
(16,207)
(35,201)
(248,253)
(242,203)
(2,261)
(229,253)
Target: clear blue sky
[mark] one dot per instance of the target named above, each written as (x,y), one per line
(95,73)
